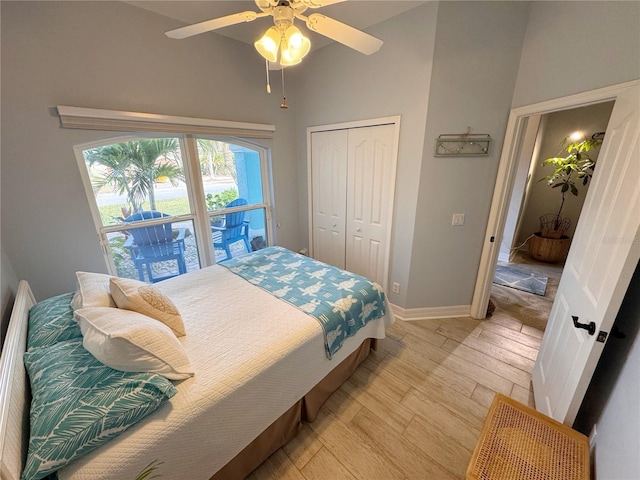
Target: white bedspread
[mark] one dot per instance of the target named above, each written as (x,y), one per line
(254,356)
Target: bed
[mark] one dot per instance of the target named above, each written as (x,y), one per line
(262,366)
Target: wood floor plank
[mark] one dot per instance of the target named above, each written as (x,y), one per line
(460,366)
(457,332)
(532,332)
(519,337)
(509,372)
(507,356)
(417,329)
(509,344)
(342,405)
(439,416)
(360,459)
(413,409)
(473,412)
(390,411)
(395,331)
(303,446)
(373,375)
(523,395)
(483,395)
(276,467)
(425,324)
(396,449)
(424,368)
(445,450)
(323,465)
(506,321)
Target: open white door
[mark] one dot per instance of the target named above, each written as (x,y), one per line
(603,256)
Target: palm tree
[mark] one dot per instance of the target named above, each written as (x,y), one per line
(133,167)
(154,158)
(217,157)
(116,160)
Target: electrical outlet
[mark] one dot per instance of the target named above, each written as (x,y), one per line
(395,288)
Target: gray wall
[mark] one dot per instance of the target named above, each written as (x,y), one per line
(475,65)
(114,56)
(573,47)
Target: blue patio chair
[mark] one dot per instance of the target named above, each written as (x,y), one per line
(233,229)
(148,245)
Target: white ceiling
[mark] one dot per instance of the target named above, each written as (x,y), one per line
(360,14)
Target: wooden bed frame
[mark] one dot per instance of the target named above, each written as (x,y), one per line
(15,402)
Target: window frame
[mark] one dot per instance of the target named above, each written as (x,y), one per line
(198,213)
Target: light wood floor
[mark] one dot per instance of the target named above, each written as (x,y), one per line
(414,409)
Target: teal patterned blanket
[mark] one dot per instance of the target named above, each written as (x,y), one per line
(341,301)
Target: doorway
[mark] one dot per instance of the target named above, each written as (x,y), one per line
(505,180)
(524,287)
(599,265)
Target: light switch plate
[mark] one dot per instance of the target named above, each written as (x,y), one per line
(458,219)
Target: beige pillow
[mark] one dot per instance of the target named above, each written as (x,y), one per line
(148,300)
(132,342)
(92,291)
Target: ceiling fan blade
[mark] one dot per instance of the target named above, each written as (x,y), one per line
(214,24)
(343,33)
(319,3)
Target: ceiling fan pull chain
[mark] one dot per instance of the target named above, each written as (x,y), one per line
(284,98)
(266,66)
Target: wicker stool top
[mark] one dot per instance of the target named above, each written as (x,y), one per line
(519,443)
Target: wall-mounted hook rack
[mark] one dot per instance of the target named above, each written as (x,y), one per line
(463,144)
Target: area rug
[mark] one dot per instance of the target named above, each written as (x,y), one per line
(520,279)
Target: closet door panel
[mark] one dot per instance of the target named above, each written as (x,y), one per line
(329,187)
(370,187)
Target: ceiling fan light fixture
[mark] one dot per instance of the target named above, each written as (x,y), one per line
(268,45)
(294,48)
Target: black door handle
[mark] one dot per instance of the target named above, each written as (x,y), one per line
(589,327)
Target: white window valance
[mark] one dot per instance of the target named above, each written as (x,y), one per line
(97,119)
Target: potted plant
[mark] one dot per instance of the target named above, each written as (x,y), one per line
(571,171)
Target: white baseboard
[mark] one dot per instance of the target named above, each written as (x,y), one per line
(427,313)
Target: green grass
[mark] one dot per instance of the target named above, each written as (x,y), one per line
(173,206)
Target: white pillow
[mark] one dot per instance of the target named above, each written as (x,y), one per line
(92,291)
(148,300)
(131,342)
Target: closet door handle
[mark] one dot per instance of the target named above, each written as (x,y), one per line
(358,230)
(335,224)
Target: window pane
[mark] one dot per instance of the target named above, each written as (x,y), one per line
(229,172)
(143,174)
(155,252)
(236,234)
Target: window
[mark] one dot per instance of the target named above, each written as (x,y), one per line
(167,205)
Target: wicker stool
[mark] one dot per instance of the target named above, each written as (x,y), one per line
(519,443)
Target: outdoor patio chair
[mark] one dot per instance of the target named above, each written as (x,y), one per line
(233,229)
(159,243)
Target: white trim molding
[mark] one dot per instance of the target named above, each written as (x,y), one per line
(97,119)
(427,313)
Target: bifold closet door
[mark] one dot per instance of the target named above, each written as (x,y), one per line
(370,191)
(329,195)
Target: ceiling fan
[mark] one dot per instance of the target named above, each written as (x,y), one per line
(284,43)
